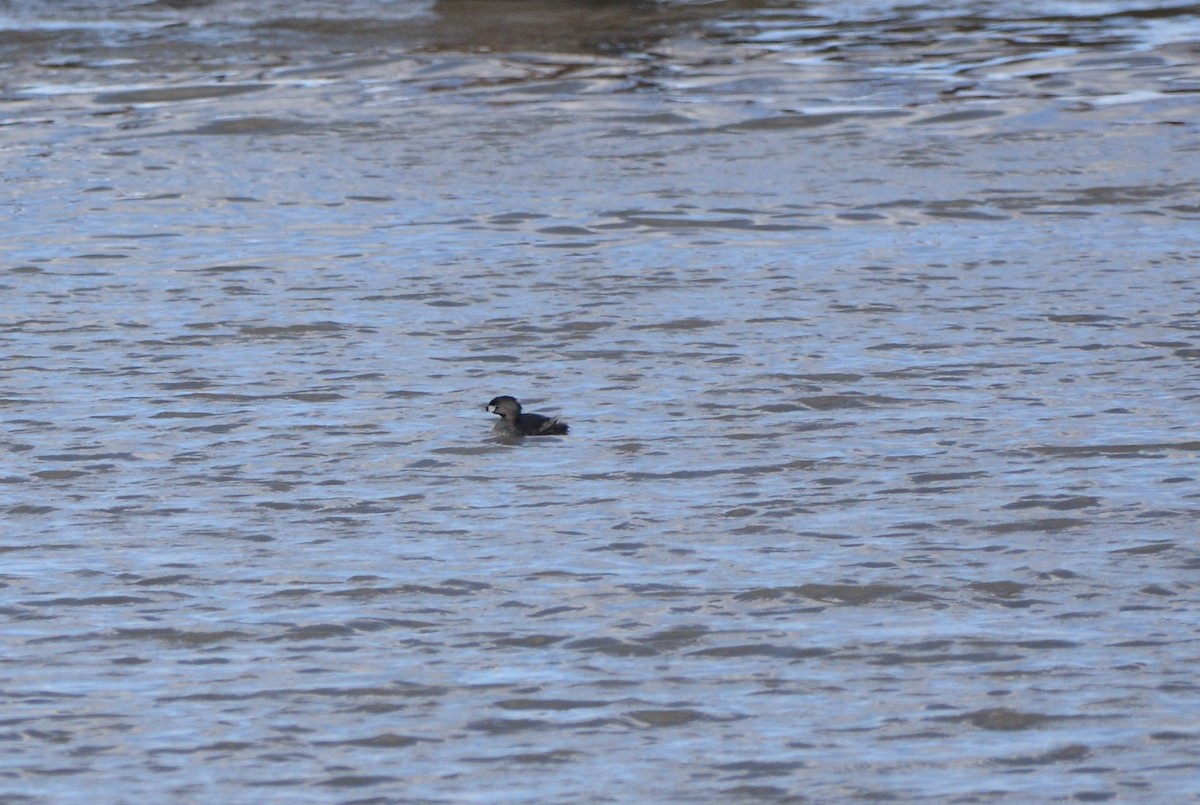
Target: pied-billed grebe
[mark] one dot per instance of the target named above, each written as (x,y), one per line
(514,423)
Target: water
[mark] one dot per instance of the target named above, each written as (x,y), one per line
(875,324)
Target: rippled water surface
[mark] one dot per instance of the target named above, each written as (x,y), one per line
(877,326)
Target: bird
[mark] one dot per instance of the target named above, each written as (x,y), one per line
(514,423)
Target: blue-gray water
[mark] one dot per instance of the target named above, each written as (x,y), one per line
(877,327)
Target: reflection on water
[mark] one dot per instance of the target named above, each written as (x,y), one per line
(876,327)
